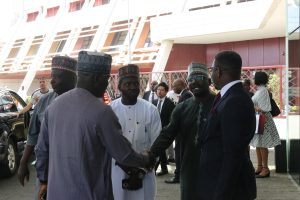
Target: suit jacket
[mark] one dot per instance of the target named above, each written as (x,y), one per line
(185,94)
(146,95)
(166,111)
(225,168)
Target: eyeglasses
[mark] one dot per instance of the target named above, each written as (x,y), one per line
(196,78)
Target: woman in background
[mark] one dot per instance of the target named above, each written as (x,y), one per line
(270,137)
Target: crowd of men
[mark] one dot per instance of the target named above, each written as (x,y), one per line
(88,150)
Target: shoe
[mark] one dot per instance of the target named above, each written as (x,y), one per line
(171,160)
(161,173)
(172,180)
(265,173)
(258,169)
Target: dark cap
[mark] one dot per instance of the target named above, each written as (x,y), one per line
(64,63)
(129,71)
(94,62)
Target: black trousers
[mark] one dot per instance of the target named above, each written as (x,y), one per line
(163,161)
(177,158)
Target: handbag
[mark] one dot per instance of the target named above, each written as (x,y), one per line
(275,111)
(260,123)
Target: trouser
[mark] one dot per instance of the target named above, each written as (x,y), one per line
(177,158)
(162,161)
(170,152)
(36,189)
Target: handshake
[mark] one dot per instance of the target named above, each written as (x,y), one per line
(134,181)
(149,160)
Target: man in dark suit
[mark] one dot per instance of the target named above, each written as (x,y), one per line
(179,87)
(165,107)
(226,171)
(151,95)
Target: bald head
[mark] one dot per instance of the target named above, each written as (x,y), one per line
(178,85)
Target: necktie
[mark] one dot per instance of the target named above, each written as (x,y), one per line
(217,99)
(152,97)
(159,105)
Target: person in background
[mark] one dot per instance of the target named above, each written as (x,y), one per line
(36,95)
(63,79)
(187,123)
(151,95)
(247,86)
(165,107)
(226,171)
(80,135)
(270,137)
(179,87)
(141,125)
(170,151)
(173,96)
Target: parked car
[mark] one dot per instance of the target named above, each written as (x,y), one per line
(13,131)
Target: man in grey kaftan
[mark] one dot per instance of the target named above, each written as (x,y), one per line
(79,137)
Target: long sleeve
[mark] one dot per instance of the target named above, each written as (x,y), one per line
(34,126)
(115,143)
(42,151)
(168,133)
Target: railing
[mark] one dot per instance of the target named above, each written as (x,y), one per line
(276,83)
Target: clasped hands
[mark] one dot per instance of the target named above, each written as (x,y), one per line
(150,160)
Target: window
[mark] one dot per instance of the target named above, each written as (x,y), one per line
(87,42)
(52,11)
(100,2)
(33,50)
(32,16)
(13,52)
(7,103)
(57,46)
(119,38)
(148,42)
(83,42)
(77,5)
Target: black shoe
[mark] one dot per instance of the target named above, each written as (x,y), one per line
(171,160)
(161,173)
(172,180)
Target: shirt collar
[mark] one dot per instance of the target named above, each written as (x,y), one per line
(227,86)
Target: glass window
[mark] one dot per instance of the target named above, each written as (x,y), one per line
(119,38)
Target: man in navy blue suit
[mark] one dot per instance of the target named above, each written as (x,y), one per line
(226,172)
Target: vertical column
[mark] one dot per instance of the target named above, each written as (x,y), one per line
(163,56)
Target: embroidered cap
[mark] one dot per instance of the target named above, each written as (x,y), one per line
(130,70)
(64,63)
(197,69)
(94,62)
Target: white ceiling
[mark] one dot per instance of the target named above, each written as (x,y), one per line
(274,25)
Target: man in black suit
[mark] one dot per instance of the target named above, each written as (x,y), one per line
(179,87)
(165,107)
(151,95)
(226,171)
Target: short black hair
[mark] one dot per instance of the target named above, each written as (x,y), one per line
(163,84)
(261,78)
(230,62)
(247,81)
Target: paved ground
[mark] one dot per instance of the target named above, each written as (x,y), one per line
(277,187)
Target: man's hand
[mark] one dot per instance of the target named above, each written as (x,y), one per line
(150,160)
(23,173)
(43,190)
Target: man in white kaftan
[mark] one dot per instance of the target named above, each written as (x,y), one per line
(141,125)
